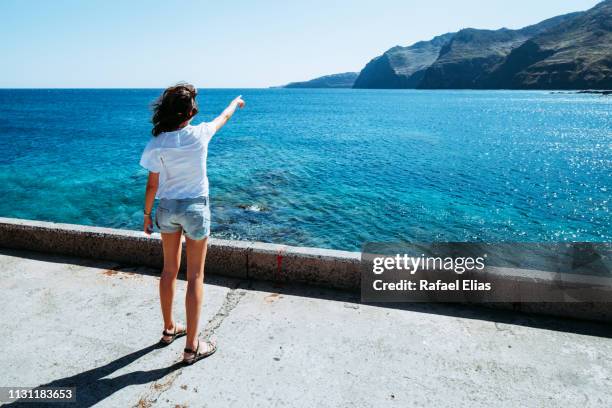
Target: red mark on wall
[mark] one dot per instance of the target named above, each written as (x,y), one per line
(279,263)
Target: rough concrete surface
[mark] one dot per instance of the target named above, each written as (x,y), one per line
(94,324)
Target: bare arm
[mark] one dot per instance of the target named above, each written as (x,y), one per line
(228,112)
(152,185)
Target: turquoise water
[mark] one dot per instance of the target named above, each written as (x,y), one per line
(329,168)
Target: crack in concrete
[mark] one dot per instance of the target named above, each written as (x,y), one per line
(231,300)
(157,389)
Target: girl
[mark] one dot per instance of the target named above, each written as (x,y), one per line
(176,160)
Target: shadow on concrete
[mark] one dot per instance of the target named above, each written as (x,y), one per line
(503,315)
(92,387)
(85,262)
(465,311)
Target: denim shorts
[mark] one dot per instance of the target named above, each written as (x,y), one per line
(192,215)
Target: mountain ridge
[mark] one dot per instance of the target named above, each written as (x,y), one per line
(576,54)
(471,55)
(342,80)
(401,67)
(570,51)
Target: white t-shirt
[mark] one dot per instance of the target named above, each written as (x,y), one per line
(180,159)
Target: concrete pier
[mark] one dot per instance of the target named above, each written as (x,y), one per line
(282,263)
(94,324)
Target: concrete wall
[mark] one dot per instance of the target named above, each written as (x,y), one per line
(239,259)
(256,260)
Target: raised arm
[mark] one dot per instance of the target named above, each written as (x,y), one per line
(228,112)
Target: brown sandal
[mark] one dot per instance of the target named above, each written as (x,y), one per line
(176,334)
(197,354)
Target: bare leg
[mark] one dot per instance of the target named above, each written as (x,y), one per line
(196,256)
(167,284)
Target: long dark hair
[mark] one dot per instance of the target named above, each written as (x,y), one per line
(176,105)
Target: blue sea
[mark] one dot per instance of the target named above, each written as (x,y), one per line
(328,168)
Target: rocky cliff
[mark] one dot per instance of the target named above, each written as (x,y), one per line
(402,67)
(576,54)
(471,55)
(572,51)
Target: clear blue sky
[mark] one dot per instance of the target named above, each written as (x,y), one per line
(236,43)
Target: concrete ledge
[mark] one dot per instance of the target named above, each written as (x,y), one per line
(281,263)
(584,297)
(238,259)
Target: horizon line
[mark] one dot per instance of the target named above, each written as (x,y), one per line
(563,90)
(132,87)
